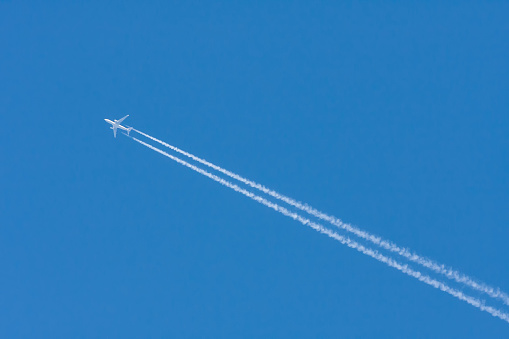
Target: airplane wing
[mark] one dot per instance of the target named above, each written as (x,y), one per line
(114,132)
(119,121)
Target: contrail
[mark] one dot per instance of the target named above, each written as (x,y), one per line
(385,244)
(344,240)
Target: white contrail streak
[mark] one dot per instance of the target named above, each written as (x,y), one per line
(385,244)
(344,240)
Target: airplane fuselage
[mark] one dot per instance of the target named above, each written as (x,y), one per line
(113,123)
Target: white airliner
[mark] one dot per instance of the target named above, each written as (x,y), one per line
(117,124)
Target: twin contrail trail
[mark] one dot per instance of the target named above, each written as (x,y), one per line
(385,244)
(342,239)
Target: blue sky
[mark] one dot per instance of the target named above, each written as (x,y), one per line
(392,117)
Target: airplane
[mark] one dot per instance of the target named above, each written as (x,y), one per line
(117,124)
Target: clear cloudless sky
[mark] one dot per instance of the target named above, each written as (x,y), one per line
(390,116)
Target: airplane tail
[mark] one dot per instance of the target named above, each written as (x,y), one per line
(129,130)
